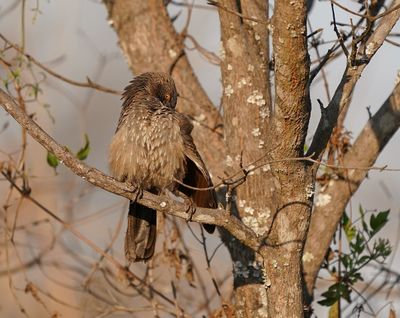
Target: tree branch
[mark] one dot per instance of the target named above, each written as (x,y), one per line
(372,139)
(94,176)
(342,97)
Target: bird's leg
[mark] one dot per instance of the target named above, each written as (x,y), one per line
(138,190)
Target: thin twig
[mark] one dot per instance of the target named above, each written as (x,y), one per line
(84,239)
(87,84)
(339,36)
(163,204)
(366,15)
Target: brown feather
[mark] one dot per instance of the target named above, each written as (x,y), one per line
(196,172)
(152,147)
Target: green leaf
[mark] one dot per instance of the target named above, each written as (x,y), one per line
(363,259)
(344,291)
(348,228)
(364,224)
(5,83)
(329,301)
(52,160)
(355,277)
(334,292)
(83,153)
(378,221)
(346,261)
(15,73)
(358,246)
(381,248)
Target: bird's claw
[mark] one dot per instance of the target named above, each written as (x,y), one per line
(191,209)
(138,192)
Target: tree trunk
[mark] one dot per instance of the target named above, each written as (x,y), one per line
(274,201)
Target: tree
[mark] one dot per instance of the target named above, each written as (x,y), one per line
(268,217)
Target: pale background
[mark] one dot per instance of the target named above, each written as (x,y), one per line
(74,38)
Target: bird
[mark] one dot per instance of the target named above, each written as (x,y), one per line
(153,149)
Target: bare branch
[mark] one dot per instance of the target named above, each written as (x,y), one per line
(339,36)
(372,139)
(373,10)
(342,97)
(99,179)
(392,9)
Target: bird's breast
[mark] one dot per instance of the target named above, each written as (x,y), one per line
(148,150)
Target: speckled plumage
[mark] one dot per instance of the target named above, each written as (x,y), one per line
(148,148)
(152,147)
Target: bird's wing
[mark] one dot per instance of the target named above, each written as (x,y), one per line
(196,171)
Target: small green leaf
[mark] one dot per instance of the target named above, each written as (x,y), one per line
(348,228)
(327,302)
(83,153)
(378,221)
(362,213)
(5,83)
(344,292)
(381,248)
(334,292)
(358,246)
(52,160)
(346,261)
(15,73)
(363,259)
(355,277)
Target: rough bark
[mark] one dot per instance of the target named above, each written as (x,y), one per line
(285,242)
(247,107)
(273,201)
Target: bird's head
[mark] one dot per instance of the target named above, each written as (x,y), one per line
(159,85)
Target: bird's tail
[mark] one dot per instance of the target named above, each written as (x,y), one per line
(140,238)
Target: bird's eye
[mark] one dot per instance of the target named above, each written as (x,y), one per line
(167,97)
